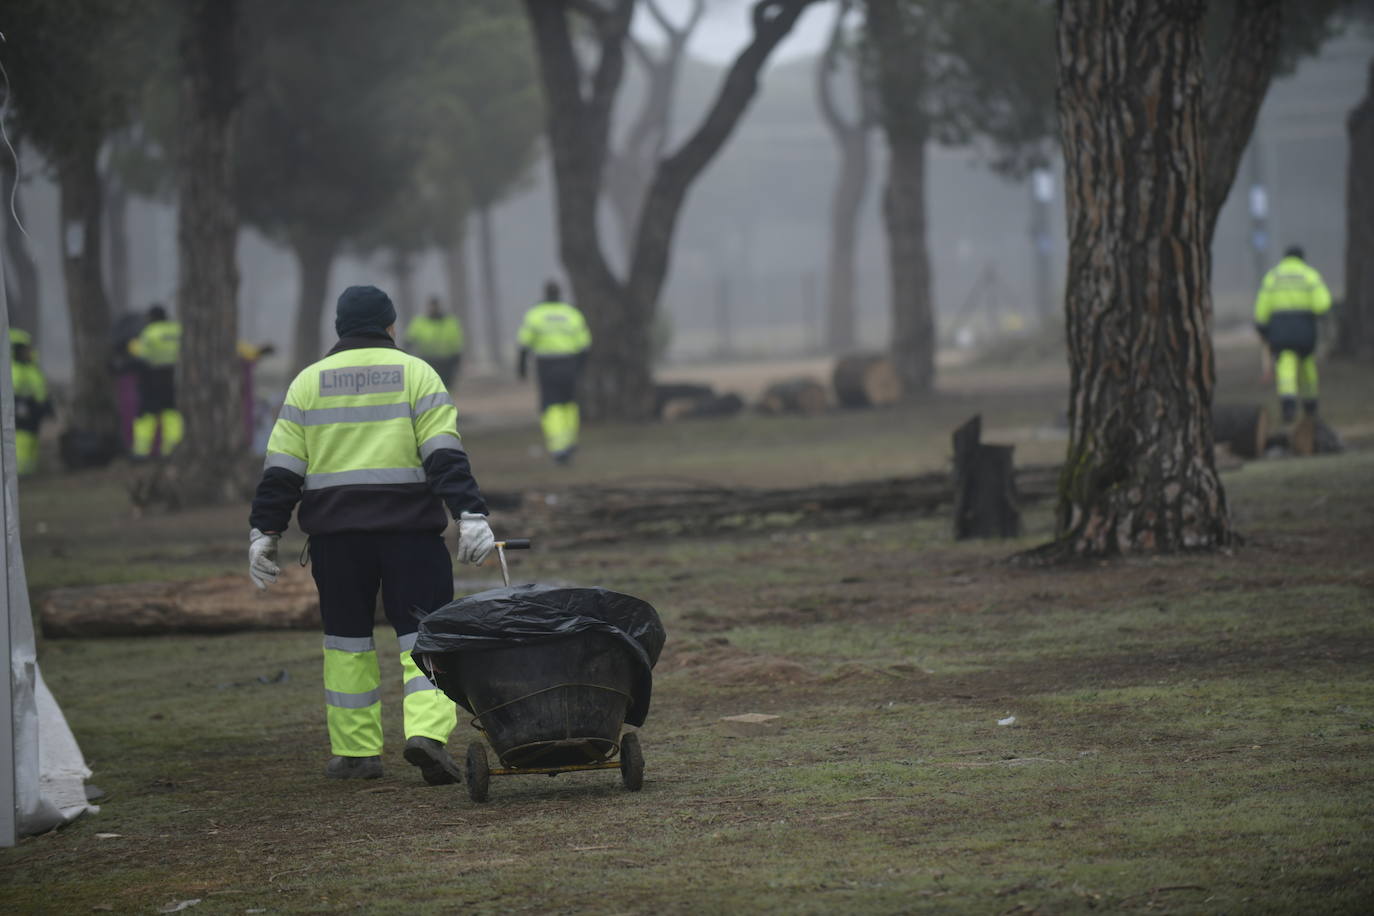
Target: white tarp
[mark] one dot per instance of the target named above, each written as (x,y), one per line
(48,769)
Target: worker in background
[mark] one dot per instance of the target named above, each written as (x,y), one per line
(157,348)
(249,355)
(1292,297)
(367,443)
(437,339)
(556,333)
(31,404)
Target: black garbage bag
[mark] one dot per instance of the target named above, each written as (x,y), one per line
(526,615)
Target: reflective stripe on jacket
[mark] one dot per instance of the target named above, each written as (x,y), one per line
(367,440)
(554,329)
(435,338)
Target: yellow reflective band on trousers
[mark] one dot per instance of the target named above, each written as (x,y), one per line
(26,451)
(1294,374)
(428,712)
(560,423)
(145,431)
(353,702)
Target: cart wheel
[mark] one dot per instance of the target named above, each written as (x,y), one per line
(631,762)
(477,772)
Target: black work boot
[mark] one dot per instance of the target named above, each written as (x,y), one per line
(354,768)
(436,766)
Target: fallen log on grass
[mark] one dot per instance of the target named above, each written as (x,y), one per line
(1244,429)
(866,380)
(794,395)
(676,508)
(223,604)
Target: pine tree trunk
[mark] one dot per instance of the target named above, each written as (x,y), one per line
(1356,336)
(21,273)
(403,269)
(841,276)
(210,376)
(456,275)
(491,291)
(93,401)
(1140,474)
(117,244)
(898,41)
(315,255)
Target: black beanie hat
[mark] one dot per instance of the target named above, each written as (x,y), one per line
(361,309)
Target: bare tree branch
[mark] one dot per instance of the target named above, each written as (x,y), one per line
(825,74)
(1232,98)
(773,20)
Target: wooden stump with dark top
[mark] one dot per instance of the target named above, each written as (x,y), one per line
(1244,428)
(866,380)
(985,499)
(795,395)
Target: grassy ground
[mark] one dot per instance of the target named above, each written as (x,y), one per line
(1191,734)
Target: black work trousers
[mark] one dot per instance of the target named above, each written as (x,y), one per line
(414,572)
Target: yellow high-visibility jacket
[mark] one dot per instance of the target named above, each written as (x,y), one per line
(367,440)
(554,329)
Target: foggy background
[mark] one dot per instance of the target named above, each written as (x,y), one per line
(754,231)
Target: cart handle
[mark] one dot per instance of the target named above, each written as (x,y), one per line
(502,547)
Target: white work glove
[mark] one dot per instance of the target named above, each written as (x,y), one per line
(262,558)
(475,539)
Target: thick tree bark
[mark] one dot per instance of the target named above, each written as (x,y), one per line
(847,197)
(491,291)
(315,255)
(93,401)
(21,272)
(1140,474)
(1357,313)
(618,382)
(896,33)
(1235,90)
(456,274)
(210,382)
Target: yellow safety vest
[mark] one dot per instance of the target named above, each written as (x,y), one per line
(435,338)
(1292,286)
(159,344)
(362,418)
(554,329)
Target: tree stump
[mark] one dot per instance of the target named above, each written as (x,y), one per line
(797,395)
(1242,428)
(866,380)
(984,486)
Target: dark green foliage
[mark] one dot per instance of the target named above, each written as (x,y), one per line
(323,145)
(76,68)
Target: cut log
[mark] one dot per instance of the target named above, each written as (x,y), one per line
(866,380)
(1244,429)
(220,605)
(795,395)
(985,500)
(693,408)
(1303,439)
(666,393)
